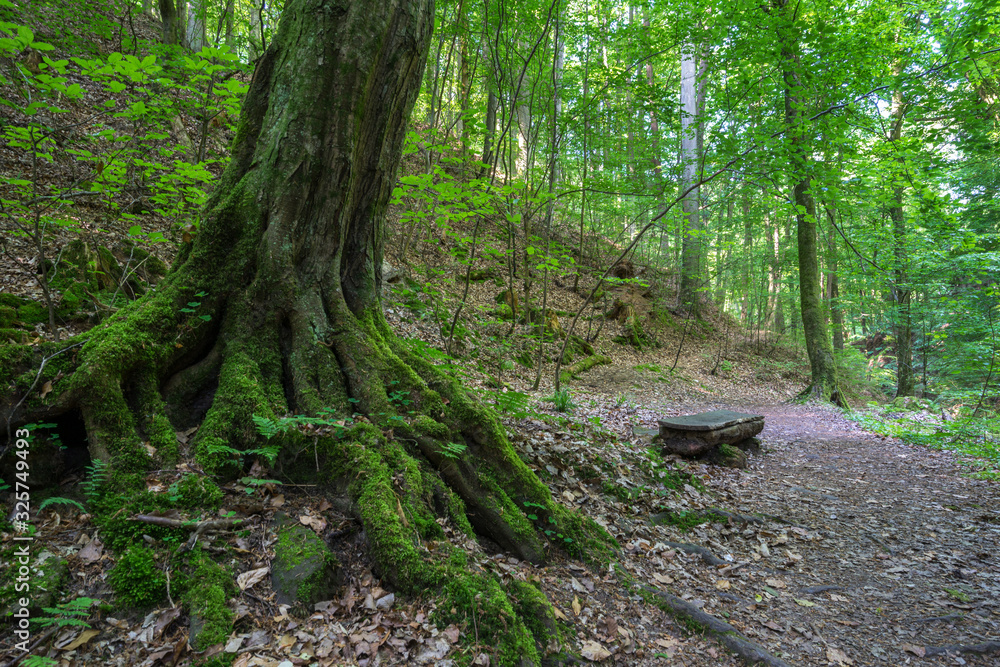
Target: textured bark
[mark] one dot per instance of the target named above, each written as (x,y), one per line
(173,22)
(823,369)
(286,277)
(900,291)
(691,241)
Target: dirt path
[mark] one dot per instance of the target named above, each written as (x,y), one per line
(889,554)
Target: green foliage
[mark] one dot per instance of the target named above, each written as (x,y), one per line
(94,479)
(195,492)
(976,439)
(73,613)
(136,579)
(55,500)
(563,401)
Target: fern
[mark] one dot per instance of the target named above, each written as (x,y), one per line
(97,474)
(61,501)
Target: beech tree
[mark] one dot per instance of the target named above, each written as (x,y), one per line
(274,309)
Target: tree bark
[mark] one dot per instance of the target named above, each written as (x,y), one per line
(899,289)
(823,369)
(691,241)
(285,280)
(173,22)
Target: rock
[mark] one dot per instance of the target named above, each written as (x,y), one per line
(391,274)
(728,456)
(693,435)
(304,570)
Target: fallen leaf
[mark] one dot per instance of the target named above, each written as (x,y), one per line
(777,583)
(561,616)
(723,584)
(838,656)
(164,620)
(451,634)
(247,579)
(577,607)
(805,603)
(774,626)
(278,500)
(663,579)
(593,651)
(918,651)
(92,552)
(85,637)
(46,389)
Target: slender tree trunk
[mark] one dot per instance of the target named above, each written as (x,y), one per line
(821,361)
(747,259)
(900,290)
(833,286)
(691,243)
(197,18)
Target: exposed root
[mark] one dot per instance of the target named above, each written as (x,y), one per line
(750,652)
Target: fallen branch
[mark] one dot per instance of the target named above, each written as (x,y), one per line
(198,527)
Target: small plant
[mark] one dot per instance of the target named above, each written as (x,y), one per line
(68,613)
(452,450)
(55,500)
(39,661)
(551,531)
(96,476)
(193,305)
(961,596)
(563,401)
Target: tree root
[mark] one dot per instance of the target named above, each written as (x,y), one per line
(749,651)
(706,555)
(982,649)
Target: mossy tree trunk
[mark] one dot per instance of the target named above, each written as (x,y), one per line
(814,327)
(275,309)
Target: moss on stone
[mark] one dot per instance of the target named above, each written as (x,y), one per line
(206,587)
(137,579)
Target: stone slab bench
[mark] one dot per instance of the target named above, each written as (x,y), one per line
(696,434)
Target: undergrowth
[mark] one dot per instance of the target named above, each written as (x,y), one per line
(976,439)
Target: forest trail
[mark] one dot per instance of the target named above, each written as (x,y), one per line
(903,559)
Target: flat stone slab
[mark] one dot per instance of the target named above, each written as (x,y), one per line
(692,435)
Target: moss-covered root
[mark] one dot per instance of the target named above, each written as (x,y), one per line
(392,524)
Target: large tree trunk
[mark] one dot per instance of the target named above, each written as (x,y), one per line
(285,280)
(173,22)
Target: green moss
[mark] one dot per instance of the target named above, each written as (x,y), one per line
(136,579)
(32,313)
(196,492)
(302,561)
(8,315)
(532,605)
(229,423)
(11,301)
(206,587)
(113,512)
(467,596)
